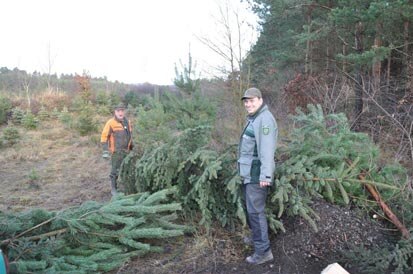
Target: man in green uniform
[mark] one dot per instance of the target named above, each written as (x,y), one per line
(256,167)
(116,139)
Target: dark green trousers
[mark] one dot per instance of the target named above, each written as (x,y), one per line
(117,158)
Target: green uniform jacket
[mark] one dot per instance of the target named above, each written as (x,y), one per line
(257,147)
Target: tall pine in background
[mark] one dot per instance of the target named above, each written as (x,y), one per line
(348,56)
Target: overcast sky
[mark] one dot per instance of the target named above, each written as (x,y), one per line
(132,41)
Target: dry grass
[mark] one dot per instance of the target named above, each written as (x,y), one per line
(54,99)
(52,167)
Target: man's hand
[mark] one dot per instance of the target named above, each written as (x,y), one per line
(105,155)
(264,184)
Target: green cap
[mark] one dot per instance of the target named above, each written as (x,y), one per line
(251,93)
(120,106)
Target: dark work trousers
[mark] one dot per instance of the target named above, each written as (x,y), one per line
(117,158)
(255,197)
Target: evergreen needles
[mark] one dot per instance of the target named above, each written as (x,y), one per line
(91,238)
(323,157)
(397,258)
(206,181)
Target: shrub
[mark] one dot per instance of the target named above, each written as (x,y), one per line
(30,121)
(102,98)
(86,122)
(190,111)
(114,100)
(147,121)
(51,100)
(5,107)
(10,135)
(103,110)
(55,113)
(66,118)
(77,104)
(158,121)
(103,103)
(17,115)
(133,99)
(43,114)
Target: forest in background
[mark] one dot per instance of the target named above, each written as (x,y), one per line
(16,82)
(354,57)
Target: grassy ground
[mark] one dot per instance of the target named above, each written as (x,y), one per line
(52,167)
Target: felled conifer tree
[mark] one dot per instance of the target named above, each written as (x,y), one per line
(323,156)
(91,238)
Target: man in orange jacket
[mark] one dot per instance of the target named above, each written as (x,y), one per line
(116,140)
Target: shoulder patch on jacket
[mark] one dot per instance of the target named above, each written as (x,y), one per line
(265,130)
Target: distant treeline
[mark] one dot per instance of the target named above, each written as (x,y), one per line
(16,81)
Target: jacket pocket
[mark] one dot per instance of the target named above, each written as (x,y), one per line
(244,167)
(255,171)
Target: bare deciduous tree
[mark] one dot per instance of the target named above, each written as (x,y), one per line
(234,37)
(49,67)
(25,80)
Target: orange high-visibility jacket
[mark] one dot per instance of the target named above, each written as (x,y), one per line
(117,135)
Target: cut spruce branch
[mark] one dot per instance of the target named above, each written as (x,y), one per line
(92,238)
(386,209)
(360,181)
(323,156)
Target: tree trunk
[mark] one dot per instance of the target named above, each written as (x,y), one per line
(358,87)
(388,73)
(407,60)
(386,209)
(328,58)
(344,54)
(308,61)
(377,63)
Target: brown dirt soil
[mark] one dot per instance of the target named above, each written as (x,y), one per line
(298,251)
(55,168)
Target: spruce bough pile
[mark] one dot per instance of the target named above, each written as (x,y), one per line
(324,158)
(207,182)
(321,157)
(91,238)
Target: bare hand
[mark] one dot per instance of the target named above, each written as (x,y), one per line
(264,184)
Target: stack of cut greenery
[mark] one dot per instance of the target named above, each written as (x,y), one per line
(90,238)
(206,180)
(323,157)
